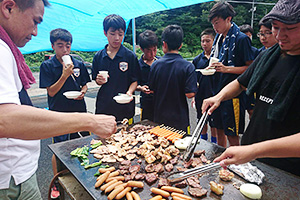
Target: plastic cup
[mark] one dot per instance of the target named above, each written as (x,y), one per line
(67,59)
(213,60)
(104,74)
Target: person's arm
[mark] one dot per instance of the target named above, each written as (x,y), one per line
(231,90)
(277,148)
(132,88)
(230,69)
(27,122)
(190,95)
(67,71)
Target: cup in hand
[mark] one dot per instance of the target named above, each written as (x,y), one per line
(67,59)
(104,74)
(213,60)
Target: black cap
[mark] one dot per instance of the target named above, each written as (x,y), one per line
(285,11)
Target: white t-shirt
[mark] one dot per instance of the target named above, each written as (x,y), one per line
(18,158)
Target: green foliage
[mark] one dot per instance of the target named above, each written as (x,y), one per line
(193,20)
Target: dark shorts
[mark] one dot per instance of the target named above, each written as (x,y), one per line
(249,101)
(70,136)
(230,117)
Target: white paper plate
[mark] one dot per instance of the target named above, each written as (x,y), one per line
(72,94)
(207,72)
(122,98)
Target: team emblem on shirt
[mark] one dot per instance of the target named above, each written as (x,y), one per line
(123,66)
(76,72)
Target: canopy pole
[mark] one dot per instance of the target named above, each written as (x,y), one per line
(133,35)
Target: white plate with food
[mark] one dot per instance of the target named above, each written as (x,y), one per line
(122,98)
(206,72)
(72,94)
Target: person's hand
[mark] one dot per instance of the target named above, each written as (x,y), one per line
(212,102)
(67,70)
(145,89)
(236,155)
(80,96)
(129,94)
(193,103)
(105,125)
(100,80)
(219,67)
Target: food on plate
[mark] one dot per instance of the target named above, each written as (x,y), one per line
(151,177)
(180,196)
(216,187)
(138,184)
(193,182)
(169,167)
(163,182)
(102,178)
(197,192)
(225,175)
(172,189)
(251,191)
(135,195)
(114,174)
(123,193)
(160,192)
(181,184)
(103,187)
(115,192)
(157,197)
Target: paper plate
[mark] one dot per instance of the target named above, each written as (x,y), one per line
(207,72)
(122,98)
(72,94)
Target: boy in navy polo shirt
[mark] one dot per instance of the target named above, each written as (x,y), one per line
(123,71)
(59,78)
(233,48)
(171,80)
(148,42)
(205,83)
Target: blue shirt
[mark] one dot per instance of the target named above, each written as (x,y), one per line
(50,72)
(171,77)
(123,70)
(243,53)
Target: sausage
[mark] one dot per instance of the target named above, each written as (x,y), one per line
(119,178)
(113,174)
(112,186)
(101,179)
(114,193)
(181,196)
(135,195)
(160,192)
(103,187)
(123,193)
(157,197)
(172,189)
(129,196)
(103,170)
(138,184)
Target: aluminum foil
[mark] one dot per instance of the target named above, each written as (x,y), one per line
(248,172)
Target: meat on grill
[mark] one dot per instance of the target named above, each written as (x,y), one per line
(197,192)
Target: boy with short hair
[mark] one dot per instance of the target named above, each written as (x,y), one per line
(172,79)
(148,42)
(59,78)
(123,71)
(233,48)
(205,83)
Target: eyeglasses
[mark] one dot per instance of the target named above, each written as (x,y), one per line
(266,34)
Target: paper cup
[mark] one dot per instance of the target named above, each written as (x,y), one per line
(213,60)
(104,74)
(67,59)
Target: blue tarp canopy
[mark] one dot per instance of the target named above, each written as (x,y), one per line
(84,18)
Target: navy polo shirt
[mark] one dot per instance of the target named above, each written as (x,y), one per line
(205,88)
(146,99)
(171,77)
(243,52)
(123,70)
(50,72)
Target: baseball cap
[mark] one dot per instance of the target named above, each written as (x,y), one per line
(285,11)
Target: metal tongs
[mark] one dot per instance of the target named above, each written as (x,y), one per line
(195,137)
(179,176)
